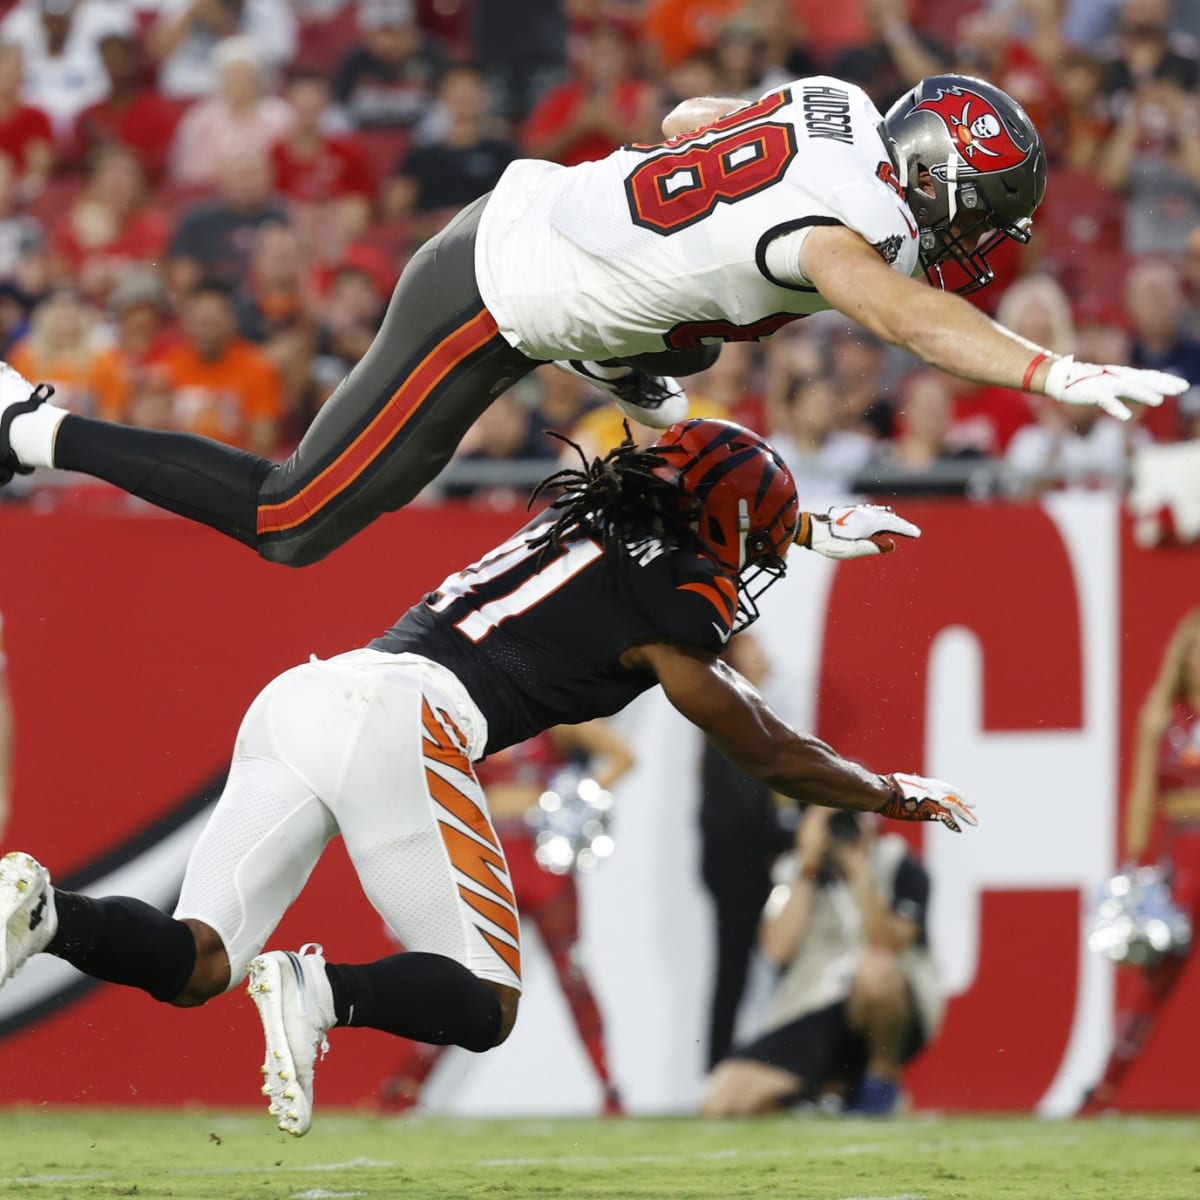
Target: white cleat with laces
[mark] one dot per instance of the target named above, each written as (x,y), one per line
(27,914)
(295,1005)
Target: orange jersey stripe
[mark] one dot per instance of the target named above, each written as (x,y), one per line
(462,806)
(477,862)
(362,452)
(721,594)
(443,749)
(510,956)
(498,914)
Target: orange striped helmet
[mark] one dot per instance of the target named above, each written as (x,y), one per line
(747,510)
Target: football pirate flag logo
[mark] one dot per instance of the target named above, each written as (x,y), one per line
(980,136)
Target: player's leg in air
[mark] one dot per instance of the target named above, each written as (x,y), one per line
(393,423)
(363,745)
(436,363)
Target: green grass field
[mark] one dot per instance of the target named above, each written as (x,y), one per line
(214,1156)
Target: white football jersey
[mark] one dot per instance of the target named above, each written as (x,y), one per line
(670,246)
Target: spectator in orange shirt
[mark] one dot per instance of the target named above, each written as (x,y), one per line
(677,29)
(600,108)
(222,386)
(109,226)
(60,347)
(138,306)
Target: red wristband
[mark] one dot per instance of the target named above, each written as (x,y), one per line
(1038,359)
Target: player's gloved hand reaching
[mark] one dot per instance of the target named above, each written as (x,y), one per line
(1109,386)
(918,798)
(853,530)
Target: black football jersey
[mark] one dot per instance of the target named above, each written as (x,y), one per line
(536,634)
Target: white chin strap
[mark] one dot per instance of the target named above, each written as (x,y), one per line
(743,531)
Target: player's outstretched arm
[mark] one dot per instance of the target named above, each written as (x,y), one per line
(946,332)
(853,530)
(737,720)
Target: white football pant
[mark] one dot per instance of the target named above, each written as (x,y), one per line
(377,747)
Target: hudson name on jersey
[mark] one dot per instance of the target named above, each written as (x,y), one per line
(692,240)
(536,635)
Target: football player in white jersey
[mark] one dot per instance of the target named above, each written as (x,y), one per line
(628,270)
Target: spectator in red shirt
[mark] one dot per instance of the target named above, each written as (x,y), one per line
(25,133)
(314,166)
(109,225)
(133,115)
(985,419)
(600,108)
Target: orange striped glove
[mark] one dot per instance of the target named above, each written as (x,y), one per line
(918,798)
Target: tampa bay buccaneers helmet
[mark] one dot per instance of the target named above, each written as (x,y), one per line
(746,511)
(986,171)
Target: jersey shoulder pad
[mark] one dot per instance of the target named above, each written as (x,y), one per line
(689,599)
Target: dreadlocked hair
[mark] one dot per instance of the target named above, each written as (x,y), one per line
(617,499)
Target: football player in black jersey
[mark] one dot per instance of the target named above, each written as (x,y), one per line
(637,575)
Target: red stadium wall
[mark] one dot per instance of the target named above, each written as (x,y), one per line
(135,643)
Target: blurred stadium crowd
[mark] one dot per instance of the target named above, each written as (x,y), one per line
(204,205)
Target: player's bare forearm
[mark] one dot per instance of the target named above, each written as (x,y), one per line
(938,327)
(736,719)
(697,111)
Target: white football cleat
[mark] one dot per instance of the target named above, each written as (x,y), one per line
(654,400)
(27,913)
(295,1005)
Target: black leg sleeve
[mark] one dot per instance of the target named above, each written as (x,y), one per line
(202,480)
(122,940)
(425,997)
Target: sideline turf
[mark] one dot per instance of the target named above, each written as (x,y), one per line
(65,1155)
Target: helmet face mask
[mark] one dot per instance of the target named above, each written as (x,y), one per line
(743,502)
(971,164)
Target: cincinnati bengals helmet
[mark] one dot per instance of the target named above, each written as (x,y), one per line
(986,171)
(746,511)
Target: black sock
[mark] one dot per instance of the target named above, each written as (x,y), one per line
(425,997)
(122,940)
(200,479)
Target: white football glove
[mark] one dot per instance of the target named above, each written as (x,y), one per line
(917,798)
(1107,386)
(853,530)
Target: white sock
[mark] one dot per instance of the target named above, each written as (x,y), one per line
(32,434)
